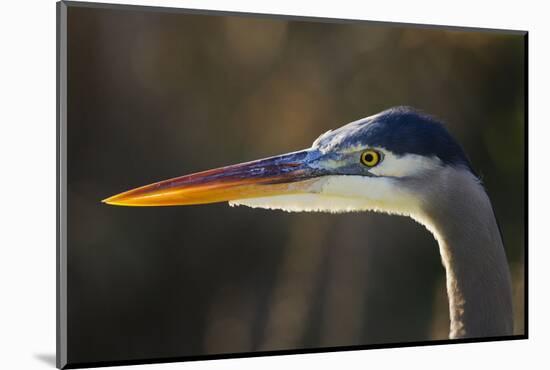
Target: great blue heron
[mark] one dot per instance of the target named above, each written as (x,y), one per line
(399,161)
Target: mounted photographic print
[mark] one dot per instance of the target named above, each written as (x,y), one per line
(234,185)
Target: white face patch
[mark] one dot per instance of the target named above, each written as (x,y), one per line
(382,192)
(302,203)
(338,194)
(405,165)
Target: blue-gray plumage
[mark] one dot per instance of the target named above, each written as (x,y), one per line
(400,162)
(403,129)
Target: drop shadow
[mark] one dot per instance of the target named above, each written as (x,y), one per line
(47,358)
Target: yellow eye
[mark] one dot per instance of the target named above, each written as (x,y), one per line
(370,158)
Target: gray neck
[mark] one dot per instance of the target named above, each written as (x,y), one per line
(459,214)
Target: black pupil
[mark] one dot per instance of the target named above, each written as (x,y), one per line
(369,157)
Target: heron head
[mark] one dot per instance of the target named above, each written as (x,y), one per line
(376,163)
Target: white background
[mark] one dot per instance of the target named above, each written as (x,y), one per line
(27,182)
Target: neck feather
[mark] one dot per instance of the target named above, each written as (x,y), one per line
(460,216)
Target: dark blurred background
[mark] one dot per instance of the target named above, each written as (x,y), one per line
(155,95)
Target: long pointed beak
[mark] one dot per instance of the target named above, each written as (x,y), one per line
(285,174)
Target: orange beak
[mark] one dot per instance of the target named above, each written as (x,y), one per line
(285,174)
